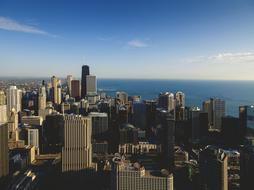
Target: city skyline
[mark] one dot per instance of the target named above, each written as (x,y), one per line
(157,40)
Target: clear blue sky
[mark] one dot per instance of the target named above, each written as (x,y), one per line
(191,39)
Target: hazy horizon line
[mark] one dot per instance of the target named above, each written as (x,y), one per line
(125,78)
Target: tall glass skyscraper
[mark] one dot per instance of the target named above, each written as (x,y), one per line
(246,116)
(85,72)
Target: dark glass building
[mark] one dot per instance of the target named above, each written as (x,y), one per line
(246,117)
(85,72)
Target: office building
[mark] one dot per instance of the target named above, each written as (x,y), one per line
(247,167)
(91,85)
(4,154)
(69,79)
(246,119)
(128,134)
(53,133)
(75,89)
(130,176)
(33,139)
(213,163)
(42,103)
(231,131)
(99,123)
(85,72)
(14,97)
(13,131)
(215,108)
(56,90)
(195,124)
(166,101)
(77,146)
(168,143)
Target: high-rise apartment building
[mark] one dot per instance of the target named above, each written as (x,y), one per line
(85,72)
(130,176)
(4,152)
(75,89)
(91,85)
(77,146)
(14,96)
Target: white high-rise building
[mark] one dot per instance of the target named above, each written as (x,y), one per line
(99,122)
(69,79)
(91,85)
(77,149)
(13,99)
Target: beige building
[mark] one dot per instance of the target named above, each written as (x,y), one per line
(4,156)
(132,176)
(42,103)
(77,148)
(91,85)
(2,98)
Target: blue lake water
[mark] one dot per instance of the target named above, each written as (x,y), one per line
(235,93)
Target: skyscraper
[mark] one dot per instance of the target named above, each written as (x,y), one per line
(246,119)
(99,123)
(4,155)
(77,146)
(122,97)
(180,99)
(167,101)
(13,99)
(213,163)
(75,89)
(85,72)
(54,83)
(42,103)
(215,108)
(69,79)
(2,98)
(91,85)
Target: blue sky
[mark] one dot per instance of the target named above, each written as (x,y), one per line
(191,39)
